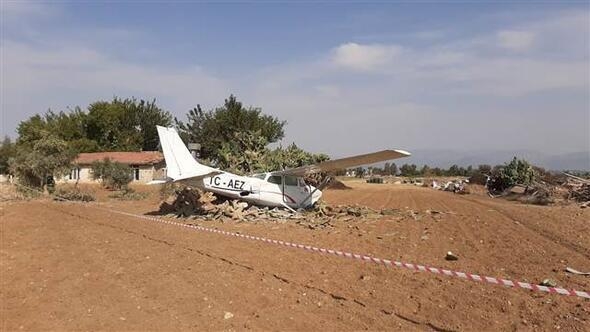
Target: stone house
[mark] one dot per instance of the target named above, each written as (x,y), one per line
(146,165)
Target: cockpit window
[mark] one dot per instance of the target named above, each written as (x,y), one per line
(276,179)
(290,180)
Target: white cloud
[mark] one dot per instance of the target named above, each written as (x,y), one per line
(364,57)
(464,93)
(461,93)
(34,79)
(20,8)
(516,40)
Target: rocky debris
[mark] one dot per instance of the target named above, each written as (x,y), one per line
(375,180)
(451,257)
(187,202)
(457,186)
(194,203)
(548,283)
(581,193)
(542,193)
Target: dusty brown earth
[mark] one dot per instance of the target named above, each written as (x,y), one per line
(69,266)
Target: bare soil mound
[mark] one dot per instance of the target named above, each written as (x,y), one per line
(336,184)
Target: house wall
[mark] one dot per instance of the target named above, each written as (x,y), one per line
(147,173)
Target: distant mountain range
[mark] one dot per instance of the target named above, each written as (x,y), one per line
(445,158)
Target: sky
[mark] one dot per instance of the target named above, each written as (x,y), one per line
(348,77)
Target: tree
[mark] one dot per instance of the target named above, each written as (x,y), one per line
(113,174)
(118,125)
(484,169)
(70,127)
(393,169)
(360,172)
(437,171)
(247,153)
(454,171)
(125,124)
(214,128)
(7,151)
(48,156)
(425,171)
(517,171)
(387,169)
(409,170)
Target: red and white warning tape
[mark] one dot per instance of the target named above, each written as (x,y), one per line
(385,262)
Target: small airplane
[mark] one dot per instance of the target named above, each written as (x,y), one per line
(274,189)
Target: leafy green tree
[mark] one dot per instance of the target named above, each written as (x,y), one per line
(437,171)
(291,157)
(7,151)
(48,156)
(118,125)
(425,171)
(125,124)
(387,169)
(360,172)
(247,153)
(393,170)
(484,169)
(517,171)
(70,127)
(409,170)
(454,171)
(112,174)
(214,128)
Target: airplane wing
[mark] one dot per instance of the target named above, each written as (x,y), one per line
(343,163)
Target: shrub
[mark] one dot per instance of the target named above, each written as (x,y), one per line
(129,194)
(114,175)
(74,195)
(518,171)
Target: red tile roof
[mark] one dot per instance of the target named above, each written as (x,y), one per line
(129,158)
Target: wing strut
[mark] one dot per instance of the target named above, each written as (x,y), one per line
(323,184)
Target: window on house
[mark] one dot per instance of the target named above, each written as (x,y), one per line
(74,174)
(136,173)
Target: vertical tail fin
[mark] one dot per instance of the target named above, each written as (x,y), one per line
(180,164)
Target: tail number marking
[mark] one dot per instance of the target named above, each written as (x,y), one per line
(232,184)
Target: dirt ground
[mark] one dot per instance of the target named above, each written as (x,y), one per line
(69,266)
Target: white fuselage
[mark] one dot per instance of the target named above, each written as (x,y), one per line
(263,189)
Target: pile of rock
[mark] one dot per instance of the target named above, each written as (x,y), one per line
(561,189)
(196,204)
(581,193)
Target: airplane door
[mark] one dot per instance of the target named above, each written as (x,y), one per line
(254,191)
(293,192)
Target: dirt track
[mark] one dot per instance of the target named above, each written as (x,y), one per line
(66,266)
